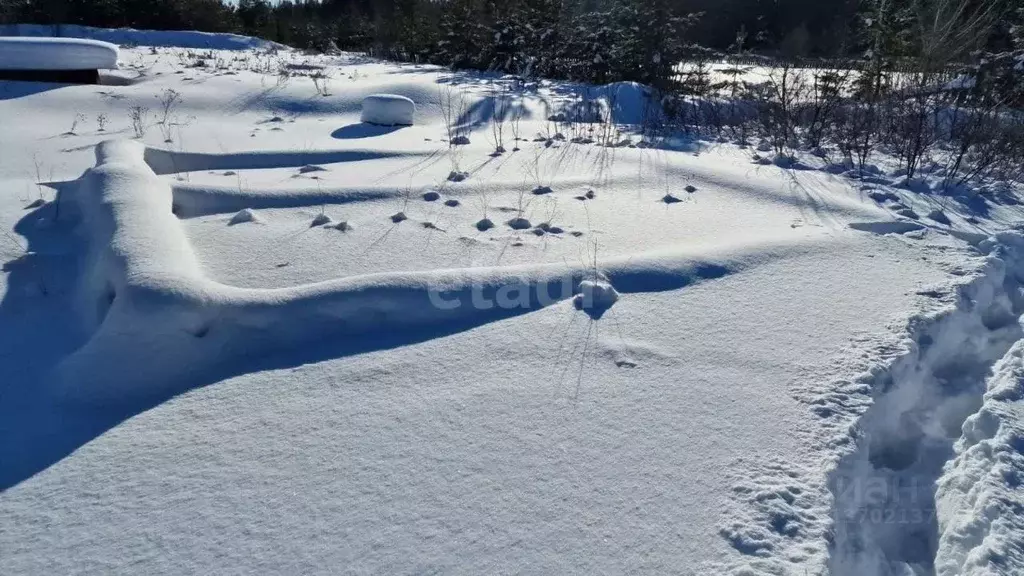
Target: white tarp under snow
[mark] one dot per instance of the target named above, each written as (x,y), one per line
(17,53)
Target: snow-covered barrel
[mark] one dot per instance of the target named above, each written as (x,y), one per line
(55,59)
(388,110)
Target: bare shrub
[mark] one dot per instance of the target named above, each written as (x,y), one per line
(139,117)
(170,99)
(453,110)
(321,82)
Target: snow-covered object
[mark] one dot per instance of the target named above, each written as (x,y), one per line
(130,36)
(519,223)
(596,295)
(243,216)
(56,54)
(388,110)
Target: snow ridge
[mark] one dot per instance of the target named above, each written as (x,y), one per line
(981,527)
(888,517)
(978,498)
(191,200)
(147,297)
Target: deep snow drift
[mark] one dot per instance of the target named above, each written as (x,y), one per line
(242,330)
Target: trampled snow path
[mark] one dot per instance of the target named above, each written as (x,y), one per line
(887,515)
(978,497)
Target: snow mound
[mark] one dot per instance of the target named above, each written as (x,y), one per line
(245,215)
(56,54)
(595,297)
(388,110)
(628,103)
(519,224)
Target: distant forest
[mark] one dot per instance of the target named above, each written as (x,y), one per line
(594,40)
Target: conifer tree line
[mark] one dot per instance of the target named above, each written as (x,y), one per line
(920,80)
(507,34)
(593,40)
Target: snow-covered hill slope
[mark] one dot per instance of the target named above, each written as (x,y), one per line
(254,335)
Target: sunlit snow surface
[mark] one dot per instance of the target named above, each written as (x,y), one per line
(697,422)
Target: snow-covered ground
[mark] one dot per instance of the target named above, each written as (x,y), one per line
(256,335)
